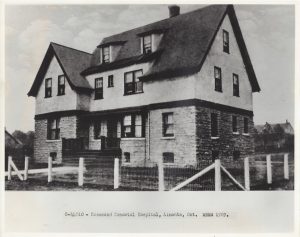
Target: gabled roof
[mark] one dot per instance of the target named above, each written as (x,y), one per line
(186,42)
(71,61)
(11,141)
(287,127)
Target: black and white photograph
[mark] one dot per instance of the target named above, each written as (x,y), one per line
(157,99)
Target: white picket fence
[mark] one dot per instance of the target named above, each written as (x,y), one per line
(216,166)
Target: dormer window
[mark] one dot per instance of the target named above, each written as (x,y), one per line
(147,44)
(105,54)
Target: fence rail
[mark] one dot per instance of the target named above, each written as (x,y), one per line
(243,175)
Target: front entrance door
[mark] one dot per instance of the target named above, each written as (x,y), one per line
(112,127)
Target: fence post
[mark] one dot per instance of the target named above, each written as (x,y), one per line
(49,169)
(269,169)
(80,171)
(161,179)
(286,166)
(247,173)
(116,174)
(26,168)
(218,181)
(9,168)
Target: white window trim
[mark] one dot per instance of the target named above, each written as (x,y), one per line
(215,138)
(246,134)
(54,140)
(168,138)
(132,138)
(235,133)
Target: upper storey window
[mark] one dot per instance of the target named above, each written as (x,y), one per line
(132,83)
(147,44)
(236,89)
(99,88)
(218,79)
(48,87)
(225,41)
(105,54)
(61,85)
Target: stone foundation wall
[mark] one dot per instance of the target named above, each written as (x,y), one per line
(43,147)
(227,141)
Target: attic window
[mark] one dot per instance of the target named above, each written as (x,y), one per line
(105,55)
(147,44)
(236,91)
(225,41)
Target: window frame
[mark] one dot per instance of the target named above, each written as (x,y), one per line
(134,83)
(236,86)
(48,88)
(226,41)
(103,54)
(98,91)
(236,155)
(110,81)
(133,126)
(61,86)
(148,49)
(214,125)
(234,124)
(56,130)
(246,126)
(164,156)
(165,126)
(126,157)
(218,85)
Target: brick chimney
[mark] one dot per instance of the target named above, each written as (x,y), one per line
(174,10)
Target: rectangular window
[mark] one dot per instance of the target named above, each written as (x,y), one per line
(132,83)
(48,87)
(110,81)
(127,122)
(214,125)
(225,41)
(61,85)
(127,157)
(246,130)
(168,157)
(236,155)
(53,155)
(97,129)
(133,126)
(105,55)
(218,79)
(147,44)
(53,131)
(168,125)
(215,155)
(234,124)
(99,88)
(236,89)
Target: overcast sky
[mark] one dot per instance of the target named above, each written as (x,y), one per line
(268,32)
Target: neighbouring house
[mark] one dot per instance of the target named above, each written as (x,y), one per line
(177,90)
(14,148)
(274,137)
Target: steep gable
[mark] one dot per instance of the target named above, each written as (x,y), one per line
(71,61)
(184,46)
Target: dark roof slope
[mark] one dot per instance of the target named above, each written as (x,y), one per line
(287,127)
(186,42)
(11,141)
(72,62)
